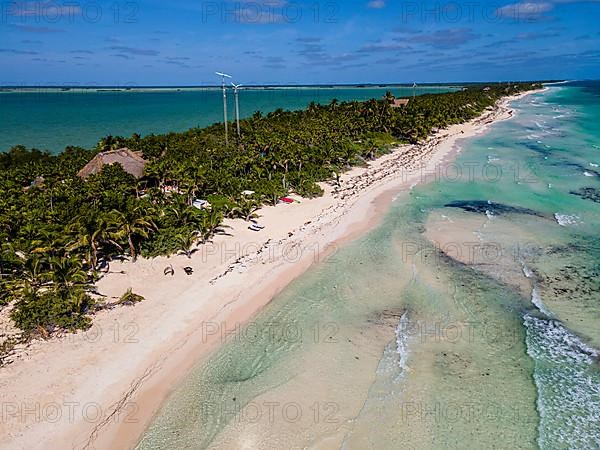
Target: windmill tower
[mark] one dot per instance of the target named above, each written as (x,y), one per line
(223,76)
(236,88)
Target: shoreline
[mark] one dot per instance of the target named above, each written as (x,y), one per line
(138,355)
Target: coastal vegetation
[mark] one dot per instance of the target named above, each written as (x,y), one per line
(59,232)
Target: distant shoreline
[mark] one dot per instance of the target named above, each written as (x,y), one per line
(81,89)
(128,88)
(83,116)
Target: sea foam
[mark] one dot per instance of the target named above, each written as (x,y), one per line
(568,385)
(565,219)
(536,299)
(402,341)
(527,272)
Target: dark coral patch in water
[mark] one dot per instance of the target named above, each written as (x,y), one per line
(483,206)
(588,193)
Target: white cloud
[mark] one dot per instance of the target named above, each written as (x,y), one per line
(376,4)
(383,46)
(528,11)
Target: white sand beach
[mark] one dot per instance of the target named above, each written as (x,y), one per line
(100,389)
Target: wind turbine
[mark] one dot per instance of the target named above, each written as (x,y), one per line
(223,76)
(237,107)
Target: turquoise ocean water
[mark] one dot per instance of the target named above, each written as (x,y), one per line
(51,119)
(407,340)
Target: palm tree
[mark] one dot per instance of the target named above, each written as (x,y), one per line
(157,171)
(30,258)
(245,208)
(210,223)
(110,143)
(67,272)
(90,232)
(186,241)
(30,276)
(132,224)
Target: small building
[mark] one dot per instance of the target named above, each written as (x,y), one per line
(201,204)
(37,183)
(132,162)
(400,102)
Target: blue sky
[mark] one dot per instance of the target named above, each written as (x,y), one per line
(176,42)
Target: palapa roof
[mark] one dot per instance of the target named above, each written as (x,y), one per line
(132,162)
(398,102)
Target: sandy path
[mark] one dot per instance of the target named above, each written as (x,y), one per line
(100,389)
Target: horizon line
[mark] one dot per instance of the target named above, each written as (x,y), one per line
(399,84)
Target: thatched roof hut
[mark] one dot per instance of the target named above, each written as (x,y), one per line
(400,102)
(395,102)
(132,162)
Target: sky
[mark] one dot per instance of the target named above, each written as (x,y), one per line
(177,42)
